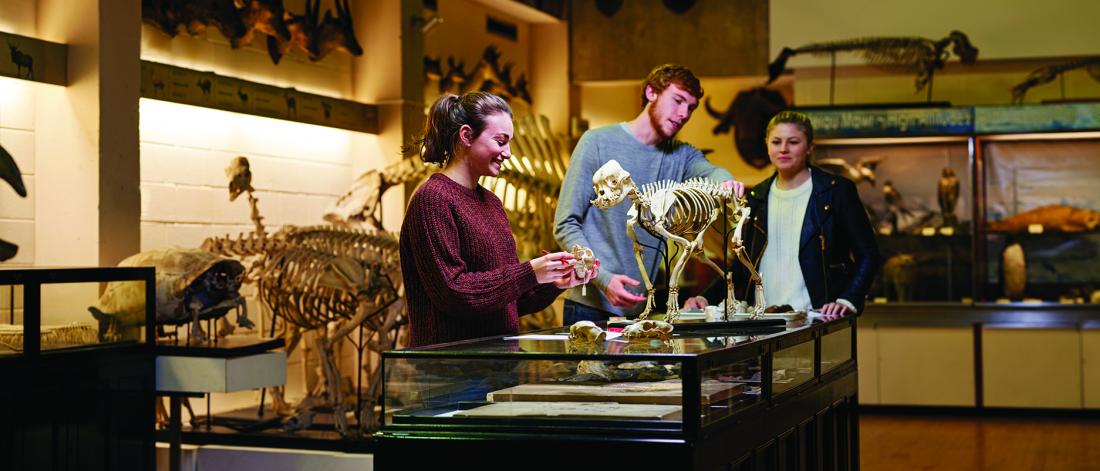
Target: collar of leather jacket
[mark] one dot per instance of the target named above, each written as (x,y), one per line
(823,181)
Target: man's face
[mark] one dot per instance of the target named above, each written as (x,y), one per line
(670,110)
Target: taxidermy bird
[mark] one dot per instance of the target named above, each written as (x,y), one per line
(1046,74)
(9,171)
(948,192)
(893,199)
(921,55)
(862,171)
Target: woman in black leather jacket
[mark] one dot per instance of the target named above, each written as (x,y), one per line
(821,252)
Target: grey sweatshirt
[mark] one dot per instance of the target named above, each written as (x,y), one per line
(577,221)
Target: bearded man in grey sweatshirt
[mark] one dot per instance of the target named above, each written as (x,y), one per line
(644,147)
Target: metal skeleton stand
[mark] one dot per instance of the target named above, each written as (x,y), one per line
(175,426)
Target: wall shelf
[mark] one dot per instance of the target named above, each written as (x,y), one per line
(209,90)
(33,59)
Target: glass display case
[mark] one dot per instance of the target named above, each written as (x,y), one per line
(76,385)
(54,309)
(1042,225)
(707,380)
(918,195)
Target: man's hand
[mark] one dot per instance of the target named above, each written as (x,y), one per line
(696,302)
(617,293)
(737,187)
(833,311)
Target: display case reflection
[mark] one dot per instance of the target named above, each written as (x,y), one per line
(67,317)
(1042,203)
(918,196)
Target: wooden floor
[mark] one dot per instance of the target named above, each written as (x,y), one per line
(910,443)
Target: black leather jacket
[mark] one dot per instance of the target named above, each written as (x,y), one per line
(838,254)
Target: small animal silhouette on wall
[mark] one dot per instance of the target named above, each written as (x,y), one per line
(291,104)
(205,85)
(158,86)
(22,61)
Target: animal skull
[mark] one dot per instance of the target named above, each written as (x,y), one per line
(585,261)
(648,329)
(610,183)
(586,331)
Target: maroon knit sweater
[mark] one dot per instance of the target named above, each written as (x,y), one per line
(463,279)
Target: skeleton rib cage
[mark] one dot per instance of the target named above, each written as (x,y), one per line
(292,263)
(681,208)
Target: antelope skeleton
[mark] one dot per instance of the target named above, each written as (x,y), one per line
(680,212)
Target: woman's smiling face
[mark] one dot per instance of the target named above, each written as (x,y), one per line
(489,150)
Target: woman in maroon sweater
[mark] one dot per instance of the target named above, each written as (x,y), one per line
(463,279)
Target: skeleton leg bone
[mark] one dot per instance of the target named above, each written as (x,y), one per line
(630,229)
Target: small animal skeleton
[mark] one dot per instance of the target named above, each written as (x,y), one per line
(680,212)
(921,55)
(1046,74)
(9,172)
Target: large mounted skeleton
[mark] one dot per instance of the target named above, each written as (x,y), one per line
(323,278)
(680,212)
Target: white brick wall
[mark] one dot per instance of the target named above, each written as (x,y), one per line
(17,137)
(297,169)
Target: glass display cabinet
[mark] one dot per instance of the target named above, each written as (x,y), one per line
(917,193)
(711,396)
(1018,264)
(1042,225)
(76,385)
(56,309)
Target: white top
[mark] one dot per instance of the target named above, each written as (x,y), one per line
(779,267)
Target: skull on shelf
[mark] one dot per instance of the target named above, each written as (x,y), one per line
(648,329)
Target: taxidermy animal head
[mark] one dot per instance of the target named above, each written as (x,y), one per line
(748,114)
(611,184)
(335,33)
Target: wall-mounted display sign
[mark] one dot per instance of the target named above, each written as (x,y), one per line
(207,89)
(892,122)
(33,59)
(1037,118)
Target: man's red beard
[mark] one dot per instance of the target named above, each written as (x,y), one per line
(657,124)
